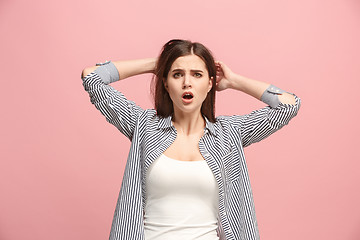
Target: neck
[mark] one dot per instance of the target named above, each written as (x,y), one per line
(188,123)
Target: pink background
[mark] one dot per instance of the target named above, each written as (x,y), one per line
(62,163)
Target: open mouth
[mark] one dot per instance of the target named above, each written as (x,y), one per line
(187,95)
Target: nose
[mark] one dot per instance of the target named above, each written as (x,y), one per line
(186,82)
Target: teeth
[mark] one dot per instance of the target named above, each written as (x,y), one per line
(187,96)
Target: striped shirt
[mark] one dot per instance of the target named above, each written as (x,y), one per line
(221,146)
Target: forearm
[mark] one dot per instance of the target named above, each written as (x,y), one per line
(135,67)
(128,68)
(249,86)
(257,88)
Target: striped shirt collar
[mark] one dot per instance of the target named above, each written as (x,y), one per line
(166,123)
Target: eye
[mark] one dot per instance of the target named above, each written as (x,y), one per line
(198,75)
(177,75)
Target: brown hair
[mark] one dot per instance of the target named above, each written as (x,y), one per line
(170,52)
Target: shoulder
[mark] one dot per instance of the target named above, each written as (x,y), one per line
(226,124)
(226,121)
(150,117)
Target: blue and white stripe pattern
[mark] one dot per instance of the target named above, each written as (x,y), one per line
(221,146)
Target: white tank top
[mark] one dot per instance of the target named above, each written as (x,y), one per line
(182,201)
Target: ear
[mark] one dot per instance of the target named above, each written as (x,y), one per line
(210,83)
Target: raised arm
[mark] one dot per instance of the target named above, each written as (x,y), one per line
(261,123)
(117,109)
(228,79)
(128,68)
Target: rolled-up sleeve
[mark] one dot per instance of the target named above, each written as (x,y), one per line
(116,108)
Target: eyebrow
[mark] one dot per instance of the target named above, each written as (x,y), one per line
(192,70)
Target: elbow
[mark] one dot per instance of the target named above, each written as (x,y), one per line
(87,71)
(287,98)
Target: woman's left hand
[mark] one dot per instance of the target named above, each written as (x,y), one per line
(223,76)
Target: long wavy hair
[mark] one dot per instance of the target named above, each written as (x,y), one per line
(170,52)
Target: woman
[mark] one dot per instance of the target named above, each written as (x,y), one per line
(186,175)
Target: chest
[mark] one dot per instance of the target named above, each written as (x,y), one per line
(185,148)
(221,151)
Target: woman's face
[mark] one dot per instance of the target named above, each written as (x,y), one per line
(188,83)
